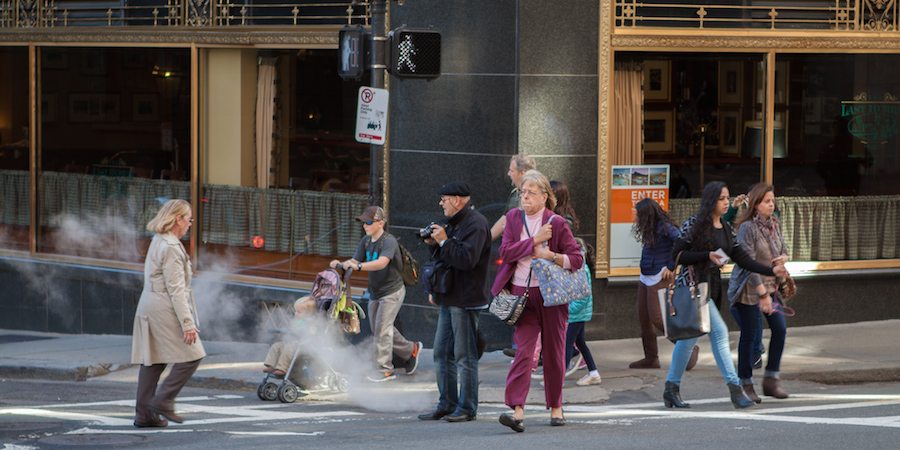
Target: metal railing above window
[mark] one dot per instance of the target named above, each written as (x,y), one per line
(180,13)
(834,15)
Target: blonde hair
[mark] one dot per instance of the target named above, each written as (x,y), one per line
(165,218)
(523,163)
(305,306)
(538,179)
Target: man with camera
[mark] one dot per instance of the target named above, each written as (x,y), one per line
(379,254)
(463,249)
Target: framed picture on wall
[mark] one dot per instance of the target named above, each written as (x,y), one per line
(730,132)
(145,107)
(91,108)
(730,83)
(659,131)
(48,107)
(54,58)
(657,80)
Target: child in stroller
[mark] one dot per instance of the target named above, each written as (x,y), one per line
(289,369)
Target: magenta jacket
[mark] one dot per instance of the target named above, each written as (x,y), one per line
(513,248)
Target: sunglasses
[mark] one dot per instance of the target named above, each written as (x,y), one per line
(369,222)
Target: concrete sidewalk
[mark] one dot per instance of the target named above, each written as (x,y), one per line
(843,353)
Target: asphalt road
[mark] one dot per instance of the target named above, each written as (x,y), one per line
(51,414)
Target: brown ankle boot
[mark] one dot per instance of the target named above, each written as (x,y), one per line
(772,388)
(750,393)
(645,363)
(651,354)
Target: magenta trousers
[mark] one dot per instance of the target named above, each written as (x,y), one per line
(550,324)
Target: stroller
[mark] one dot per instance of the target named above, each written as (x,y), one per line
(332,297)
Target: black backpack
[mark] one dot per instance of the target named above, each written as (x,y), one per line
(411,268)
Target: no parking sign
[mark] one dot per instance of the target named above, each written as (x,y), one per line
(371,115)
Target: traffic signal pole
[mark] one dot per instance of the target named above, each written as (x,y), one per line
(377,64)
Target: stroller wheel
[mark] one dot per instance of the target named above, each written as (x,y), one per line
(343,384)
(267,391)
(288,393)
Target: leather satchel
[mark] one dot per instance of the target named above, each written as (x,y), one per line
(685,309)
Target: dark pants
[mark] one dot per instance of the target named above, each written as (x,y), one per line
(162,397)
(751,332)
(575,338)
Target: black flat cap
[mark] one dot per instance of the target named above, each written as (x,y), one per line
(460,188)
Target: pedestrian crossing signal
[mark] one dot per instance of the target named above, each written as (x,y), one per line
(415,53)
(353,46)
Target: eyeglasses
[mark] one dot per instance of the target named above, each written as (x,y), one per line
(445,198)
(369,222)
(530,193)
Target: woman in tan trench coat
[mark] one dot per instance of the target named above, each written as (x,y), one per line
(165,331)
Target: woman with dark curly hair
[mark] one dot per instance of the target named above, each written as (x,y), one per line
(656,231)
(702,236)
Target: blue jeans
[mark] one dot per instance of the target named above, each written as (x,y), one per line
(718,337)
(758,348)
(456,359)
(750,320)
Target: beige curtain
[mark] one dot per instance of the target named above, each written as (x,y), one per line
(829,228)
(265,118)
(627,119)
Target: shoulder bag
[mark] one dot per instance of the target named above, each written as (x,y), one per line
(559,286)
(685,309)
(508,307)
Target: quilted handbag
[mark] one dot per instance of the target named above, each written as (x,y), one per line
(559,286)
(685,309)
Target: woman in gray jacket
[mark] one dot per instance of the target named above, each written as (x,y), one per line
(165,329)
(752,294)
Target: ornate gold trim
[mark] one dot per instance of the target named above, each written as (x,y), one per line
(319,37)
(809,267)
(807,42)
(604,69)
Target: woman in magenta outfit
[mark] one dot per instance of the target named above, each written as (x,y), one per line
(529,234)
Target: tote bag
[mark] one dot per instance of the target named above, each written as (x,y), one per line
(685,309)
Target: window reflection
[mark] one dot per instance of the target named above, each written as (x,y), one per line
(115,140)
(14,149)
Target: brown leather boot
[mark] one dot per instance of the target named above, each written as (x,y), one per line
(750,393)
(651,354)
(772,388)
(695,353)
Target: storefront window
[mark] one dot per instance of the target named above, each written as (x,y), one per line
(699,113)
(840,161)
(284,176)
(115,143)
(14,148)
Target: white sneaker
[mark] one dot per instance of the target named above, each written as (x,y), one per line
(537,374)
(573,364)
(588,380)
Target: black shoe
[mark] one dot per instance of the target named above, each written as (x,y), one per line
(459,417)
(161,423)
(511,352)
(557,421)
(672,396)
(512,422)
(437,414)
(480,345)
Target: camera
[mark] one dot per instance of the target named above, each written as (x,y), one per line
(425,233)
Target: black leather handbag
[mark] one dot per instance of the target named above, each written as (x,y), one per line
(685,309)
